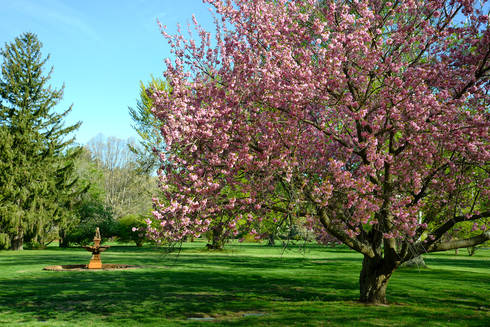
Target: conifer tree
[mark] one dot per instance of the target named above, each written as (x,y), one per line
(36,170)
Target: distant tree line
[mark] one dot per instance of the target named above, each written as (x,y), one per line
(118,197)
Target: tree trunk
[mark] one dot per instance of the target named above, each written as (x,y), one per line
(471,250)
(17,243)
(217,242)
(373,280)
(271,240)
(63,242)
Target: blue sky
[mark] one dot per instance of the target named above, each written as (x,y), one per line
(100,50)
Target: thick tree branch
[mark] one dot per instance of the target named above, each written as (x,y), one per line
(424,246)
(342,236)
(456,244)
(450,223)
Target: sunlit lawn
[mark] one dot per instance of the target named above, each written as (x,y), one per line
(246,285)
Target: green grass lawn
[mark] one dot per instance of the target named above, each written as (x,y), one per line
(246,285)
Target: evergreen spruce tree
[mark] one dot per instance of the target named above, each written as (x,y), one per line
(37,186)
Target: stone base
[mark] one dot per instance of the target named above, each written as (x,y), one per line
(95,264)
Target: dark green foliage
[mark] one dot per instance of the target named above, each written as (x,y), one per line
(125,231)
(37,188)
(91,214)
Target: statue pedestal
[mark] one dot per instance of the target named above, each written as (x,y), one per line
(95,262)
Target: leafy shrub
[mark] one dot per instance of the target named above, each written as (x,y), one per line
(92,214)
(125,227)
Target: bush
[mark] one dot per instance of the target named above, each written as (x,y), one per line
(125,231)
(249,238)
(92,214)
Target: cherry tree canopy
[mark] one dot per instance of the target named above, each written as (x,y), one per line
(369,119)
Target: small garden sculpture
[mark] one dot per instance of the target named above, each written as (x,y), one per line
(95,262)
(96,249)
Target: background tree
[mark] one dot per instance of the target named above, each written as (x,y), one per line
(90,211)
(117,194)
(127,190)
(36,179)
(372,111)
(148,127)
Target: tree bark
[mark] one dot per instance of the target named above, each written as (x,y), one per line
(421,247)
(217,241)
(17,243)
(63,242)
(270,240)
(373,280)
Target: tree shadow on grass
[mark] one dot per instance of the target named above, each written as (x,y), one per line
(458,262)
(173,293)
(152,295)
(446,288)
(125,255)
(289,290)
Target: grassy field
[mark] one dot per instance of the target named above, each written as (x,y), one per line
(246,285)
